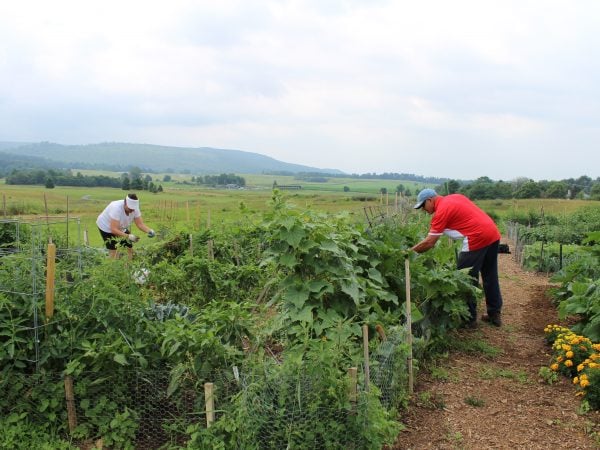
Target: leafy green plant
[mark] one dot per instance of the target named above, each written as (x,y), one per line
(20,434)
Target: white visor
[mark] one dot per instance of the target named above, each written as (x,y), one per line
(132,204)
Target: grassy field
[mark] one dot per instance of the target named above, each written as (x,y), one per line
(178,207)
(186,206)
(254,181)
(546,206)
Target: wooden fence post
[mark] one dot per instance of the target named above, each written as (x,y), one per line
(50,274)
(211,252)
(191,244)
(70,397)
(352,388)
(409,358)
(365,330)
(209,403)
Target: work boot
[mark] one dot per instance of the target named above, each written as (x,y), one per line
(470,324)
(493,319)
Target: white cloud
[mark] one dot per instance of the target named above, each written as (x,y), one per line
(362,86)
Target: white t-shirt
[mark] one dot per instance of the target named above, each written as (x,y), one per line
(116,211)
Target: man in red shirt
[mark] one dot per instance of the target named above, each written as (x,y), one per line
(459,218)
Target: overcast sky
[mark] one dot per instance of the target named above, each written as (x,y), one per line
(456,89)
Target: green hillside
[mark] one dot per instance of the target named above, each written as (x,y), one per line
(118,156)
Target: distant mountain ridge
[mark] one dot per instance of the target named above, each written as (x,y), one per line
(118,156)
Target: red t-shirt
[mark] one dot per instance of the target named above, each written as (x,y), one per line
(459,218)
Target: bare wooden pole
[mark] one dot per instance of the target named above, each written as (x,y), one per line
(50,274)
(209,402)
(67,221)
(70,397)
(352,387)
(409,358)
(211,251)
(365,330)
(46,208)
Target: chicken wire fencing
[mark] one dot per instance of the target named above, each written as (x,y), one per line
(158,408)
(153,409)
(537,255)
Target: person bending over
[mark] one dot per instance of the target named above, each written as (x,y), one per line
(459,218)
(115,221)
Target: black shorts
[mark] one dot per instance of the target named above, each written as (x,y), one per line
(111,241)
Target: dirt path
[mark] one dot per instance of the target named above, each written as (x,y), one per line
(478,402)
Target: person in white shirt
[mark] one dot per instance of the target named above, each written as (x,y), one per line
(115,221)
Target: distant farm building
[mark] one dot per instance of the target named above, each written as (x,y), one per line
(287,187)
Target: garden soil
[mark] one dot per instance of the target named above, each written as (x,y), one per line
(501,402)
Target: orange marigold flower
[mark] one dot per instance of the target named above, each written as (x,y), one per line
(584,383)
(580,367)
(569,354)
(568,363)
(554,367)
(576,380)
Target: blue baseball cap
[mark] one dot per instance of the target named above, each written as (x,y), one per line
(424,195)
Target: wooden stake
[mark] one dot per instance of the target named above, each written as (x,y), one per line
(409,359)
(365,330)
(352,388)
(209,402)
(86,239)
(67,221)
(70,397)
(50,273)
(46,208)
(211,252)
(191,244)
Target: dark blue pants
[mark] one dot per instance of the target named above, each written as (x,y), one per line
(484,261)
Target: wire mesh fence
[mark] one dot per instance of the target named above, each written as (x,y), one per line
(144,409)
(537,255)
(166,407)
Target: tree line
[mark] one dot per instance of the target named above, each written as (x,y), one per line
(223,179)
(484,188)
(132,180)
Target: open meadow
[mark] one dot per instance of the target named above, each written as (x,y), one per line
(183,205)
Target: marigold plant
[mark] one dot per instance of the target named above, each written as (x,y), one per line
(577,357)
(569,349)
